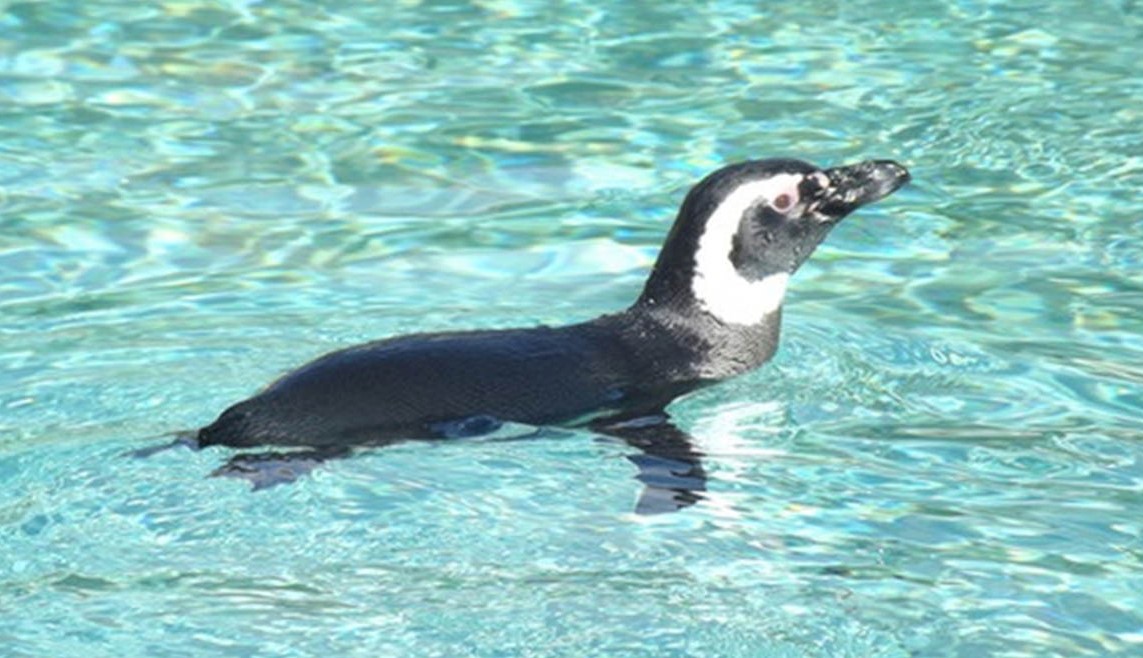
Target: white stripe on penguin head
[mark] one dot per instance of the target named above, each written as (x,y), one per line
(717,285)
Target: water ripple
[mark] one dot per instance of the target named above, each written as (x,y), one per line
(943,459)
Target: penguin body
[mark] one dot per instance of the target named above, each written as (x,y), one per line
(711,309)
(432,385)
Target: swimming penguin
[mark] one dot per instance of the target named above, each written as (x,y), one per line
(710,310)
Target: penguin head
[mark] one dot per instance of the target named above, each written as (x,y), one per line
(745,229)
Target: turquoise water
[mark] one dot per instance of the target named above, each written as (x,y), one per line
(942,460)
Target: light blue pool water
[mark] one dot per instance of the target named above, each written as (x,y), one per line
(944,459)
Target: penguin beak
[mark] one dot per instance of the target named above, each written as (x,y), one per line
(852,186)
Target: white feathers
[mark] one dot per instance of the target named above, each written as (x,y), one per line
(735,300)
(717,285)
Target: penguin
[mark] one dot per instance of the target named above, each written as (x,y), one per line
(710,310)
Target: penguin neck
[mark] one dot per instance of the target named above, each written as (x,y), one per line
(695,274)
(711,322)
(684,341)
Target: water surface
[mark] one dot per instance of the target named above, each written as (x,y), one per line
(942,460)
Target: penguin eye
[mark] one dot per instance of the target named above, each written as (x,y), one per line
(782,202)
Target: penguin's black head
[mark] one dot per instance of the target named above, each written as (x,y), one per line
(743,230)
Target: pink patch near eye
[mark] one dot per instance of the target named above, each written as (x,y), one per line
(781,202)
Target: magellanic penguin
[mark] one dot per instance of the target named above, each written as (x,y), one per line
(710,310)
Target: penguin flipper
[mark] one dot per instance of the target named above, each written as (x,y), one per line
(669,467)
(267,469)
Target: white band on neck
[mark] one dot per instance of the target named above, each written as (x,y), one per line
(719,288)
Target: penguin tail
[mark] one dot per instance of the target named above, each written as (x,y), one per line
(183,439)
